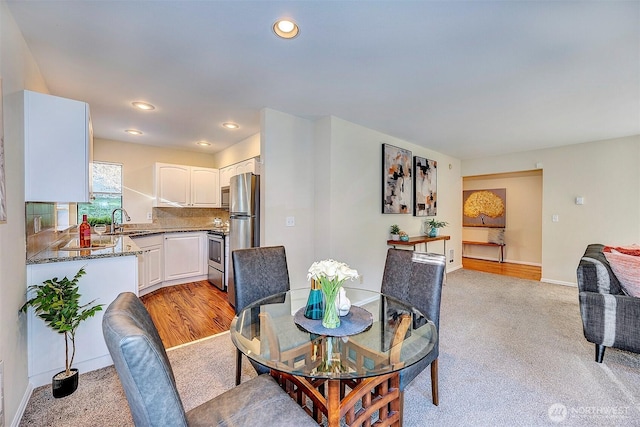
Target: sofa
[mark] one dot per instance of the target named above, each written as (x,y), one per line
(610,317)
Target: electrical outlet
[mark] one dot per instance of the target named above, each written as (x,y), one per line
(149,216)
(291,221)
(450,255)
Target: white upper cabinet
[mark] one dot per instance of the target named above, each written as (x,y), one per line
(225,176)
(245,166)
(186,186)
(58,143)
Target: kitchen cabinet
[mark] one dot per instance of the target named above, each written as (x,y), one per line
(58,144)
(225,176)
(186,186)
(105,278)
(245,166)
(150,263)
(184,255)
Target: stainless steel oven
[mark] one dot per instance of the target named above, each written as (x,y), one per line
(216,259)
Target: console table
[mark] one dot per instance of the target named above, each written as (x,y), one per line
(499,245)
(413,241)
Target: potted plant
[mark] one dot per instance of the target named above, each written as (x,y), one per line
(395,232)
(57,303)
(433,225)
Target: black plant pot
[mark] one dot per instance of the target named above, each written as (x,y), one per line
(63,387)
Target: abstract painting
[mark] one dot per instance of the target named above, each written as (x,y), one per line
(3,193)
(484,208)
(425,194)
(396,180)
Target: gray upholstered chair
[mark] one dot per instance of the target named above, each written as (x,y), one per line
(417,277)
(610,318)
(257,274)
(147,378)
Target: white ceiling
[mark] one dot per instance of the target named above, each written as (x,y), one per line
(469,79)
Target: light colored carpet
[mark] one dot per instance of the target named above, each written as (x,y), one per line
(512,353)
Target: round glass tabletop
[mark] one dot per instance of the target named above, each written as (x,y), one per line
(398,336)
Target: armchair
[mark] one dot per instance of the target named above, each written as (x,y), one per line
(609,317)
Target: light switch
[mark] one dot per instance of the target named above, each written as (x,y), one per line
(291,221)
(555,218)
(579,200)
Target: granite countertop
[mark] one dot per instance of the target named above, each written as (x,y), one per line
(137,232)
(119,244)
(106,247)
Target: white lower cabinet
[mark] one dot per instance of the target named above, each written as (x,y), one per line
(150,263)
(184,255)
(105,278)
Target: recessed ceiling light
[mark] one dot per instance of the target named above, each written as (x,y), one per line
(143,105)
(203,143)
(286,28)
(133,132)
(230,125)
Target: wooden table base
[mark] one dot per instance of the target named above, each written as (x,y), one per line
(329,397)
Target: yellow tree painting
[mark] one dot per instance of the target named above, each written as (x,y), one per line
(484,208)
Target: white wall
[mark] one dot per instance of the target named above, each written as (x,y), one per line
(605,173)
(286,189)
(523,231)
(138,168)
(327,174)
(243,150)
(18,71)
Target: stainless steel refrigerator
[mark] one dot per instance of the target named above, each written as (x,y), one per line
(244,220)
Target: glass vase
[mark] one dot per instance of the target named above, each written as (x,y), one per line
(315,303)
(330,319)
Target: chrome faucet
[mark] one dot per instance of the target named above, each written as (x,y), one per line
(115,227)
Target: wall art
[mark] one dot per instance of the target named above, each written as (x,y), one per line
(425,194)
(396,180)
(484,208)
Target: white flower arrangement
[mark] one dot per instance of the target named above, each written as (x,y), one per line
(331,274)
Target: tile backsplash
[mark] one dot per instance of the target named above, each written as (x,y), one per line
(40,226)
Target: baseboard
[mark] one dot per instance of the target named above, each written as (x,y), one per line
(454,268)
(44,378)
(559,282)
(23,406)
(510,261)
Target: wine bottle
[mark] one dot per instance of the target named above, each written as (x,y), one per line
(85,233)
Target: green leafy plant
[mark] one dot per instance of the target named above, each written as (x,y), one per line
(57,303)
(436,224)
(93,220)
(395,229)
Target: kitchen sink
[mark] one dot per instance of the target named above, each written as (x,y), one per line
(97,242)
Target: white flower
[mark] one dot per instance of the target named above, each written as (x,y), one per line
(331,270)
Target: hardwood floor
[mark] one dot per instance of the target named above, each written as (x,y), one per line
(192,311)
(188,312)
(506,269)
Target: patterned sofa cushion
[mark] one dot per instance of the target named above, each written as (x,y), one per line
(595,273)
(627,270)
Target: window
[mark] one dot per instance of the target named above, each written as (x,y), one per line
(107,194)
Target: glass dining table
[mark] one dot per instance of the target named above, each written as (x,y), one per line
(345,372)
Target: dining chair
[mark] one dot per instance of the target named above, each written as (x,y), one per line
(417,277)
(144,370)
(257,273)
